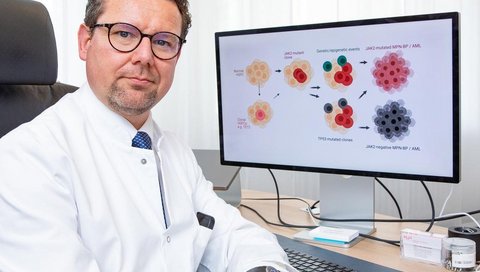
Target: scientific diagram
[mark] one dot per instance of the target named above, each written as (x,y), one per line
(393,120)
(339,116)
(298,74)
(258,73)
(391,72)
(338,74)
(260,113)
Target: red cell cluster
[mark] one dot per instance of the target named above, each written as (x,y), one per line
(391,72)
(300,75)
(344,118)
(260,114)
(344,76)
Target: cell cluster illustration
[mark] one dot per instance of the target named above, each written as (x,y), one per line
(298,74)
(339,116)
(393,120)
(258,73)
(260,113)
(338,73)
(391,72)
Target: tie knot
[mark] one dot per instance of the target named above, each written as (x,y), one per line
(142,140)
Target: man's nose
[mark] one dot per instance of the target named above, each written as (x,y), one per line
(143,52)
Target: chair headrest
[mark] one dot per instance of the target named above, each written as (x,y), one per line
(28,53)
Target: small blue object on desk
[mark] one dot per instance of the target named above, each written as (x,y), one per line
(332,236)
(335,235)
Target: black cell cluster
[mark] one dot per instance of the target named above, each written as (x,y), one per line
(392,120)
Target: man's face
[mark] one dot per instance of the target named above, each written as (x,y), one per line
(130,83)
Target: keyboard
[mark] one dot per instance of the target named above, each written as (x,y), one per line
(307,258)
(307,263)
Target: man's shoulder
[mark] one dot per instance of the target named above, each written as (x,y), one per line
(47,125)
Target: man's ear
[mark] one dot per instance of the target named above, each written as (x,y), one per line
(84,38)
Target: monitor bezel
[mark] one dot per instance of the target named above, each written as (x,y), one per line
(454,16)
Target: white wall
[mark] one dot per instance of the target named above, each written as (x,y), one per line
(190,109)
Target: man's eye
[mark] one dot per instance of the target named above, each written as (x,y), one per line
(124,34)
(161,43)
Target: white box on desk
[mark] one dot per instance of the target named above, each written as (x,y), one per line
(422,246)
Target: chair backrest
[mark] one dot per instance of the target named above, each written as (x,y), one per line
(28,63)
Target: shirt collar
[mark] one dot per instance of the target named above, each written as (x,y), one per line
(147,127)
(104,119)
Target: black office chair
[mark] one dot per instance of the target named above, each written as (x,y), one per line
(28,63)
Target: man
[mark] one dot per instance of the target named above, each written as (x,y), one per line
(92,184)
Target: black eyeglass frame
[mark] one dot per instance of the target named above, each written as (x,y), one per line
(142,35)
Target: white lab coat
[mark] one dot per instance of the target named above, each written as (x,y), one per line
(75,196)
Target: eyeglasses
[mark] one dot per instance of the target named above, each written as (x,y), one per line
(126,38)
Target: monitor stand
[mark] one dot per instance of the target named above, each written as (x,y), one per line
(344,197)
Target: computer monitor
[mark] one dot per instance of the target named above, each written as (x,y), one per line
(372,98)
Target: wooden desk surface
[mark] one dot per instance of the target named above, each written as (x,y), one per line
(367,249)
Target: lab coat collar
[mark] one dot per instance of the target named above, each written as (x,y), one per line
(104,119)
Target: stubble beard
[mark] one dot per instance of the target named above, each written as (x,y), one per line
(120,102)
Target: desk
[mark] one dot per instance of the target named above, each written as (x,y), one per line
(367,249)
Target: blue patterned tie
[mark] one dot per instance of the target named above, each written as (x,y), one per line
(142,140)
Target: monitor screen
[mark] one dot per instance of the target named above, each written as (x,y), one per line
(376,97)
